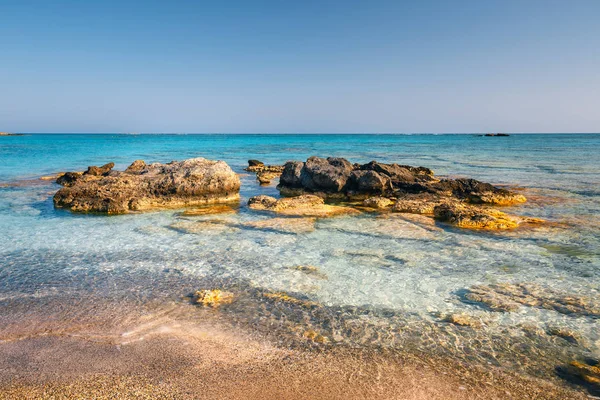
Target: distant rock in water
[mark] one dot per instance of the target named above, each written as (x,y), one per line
(144,187)
(496,134)
(10,134)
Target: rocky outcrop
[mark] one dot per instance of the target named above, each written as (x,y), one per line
(403,188)
(338,178)
(264,173)
(301,206)
(144,187)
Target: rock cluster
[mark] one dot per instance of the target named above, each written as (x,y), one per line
(264,173)
(402,188)
(147,186)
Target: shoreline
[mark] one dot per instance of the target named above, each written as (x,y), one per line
(161,353)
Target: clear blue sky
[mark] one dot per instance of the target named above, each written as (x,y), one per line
(300,66)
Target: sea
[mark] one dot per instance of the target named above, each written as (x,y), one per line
(381,280)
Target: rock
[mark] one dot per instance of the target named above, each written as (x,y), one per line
(567,334)
(509,297)
(262,202)
(378,202)
(337,178)
(477,192)
(265,177)
(369,182)
(494,300)
(588,372)
(315,336)
(466,216)
(285,225)
(177,184)
(418,203)
(300,206)
(290,177)
(310,270)
(99,171)
(282,297)
(69,178)
(204,227)
(212,298)
(255,163)
(328,175)
(52,177)
(136,166)
(209,210)
(463,320)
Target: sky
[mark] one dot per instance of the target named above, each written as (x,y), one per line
(300,66)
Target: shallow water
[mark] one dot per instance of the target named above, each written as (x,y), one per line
(383,280)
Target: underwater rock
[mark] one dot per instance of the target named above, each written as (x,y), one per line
(315,336)
(310,270)
(209,210)
(265,177)
(301,206)
(588,372)
(145,187)
(567,334)
(509,297)
(286,298)
(462,320)
(52,177)
(205,227)
(285,225)
(378,202)
(212,298)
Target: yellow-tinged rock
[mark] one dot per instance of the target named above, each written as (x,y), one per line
(212,298)
(315,336)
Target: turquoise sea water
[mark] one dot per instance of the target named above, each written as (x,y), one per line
(384,281)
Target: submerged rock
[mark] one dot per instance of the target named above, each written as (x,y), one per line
(509,297)
(285,225)
(209,210)
(301,206)
(310,270)
(588,371)
(212,298)
(144,187)
(462,320)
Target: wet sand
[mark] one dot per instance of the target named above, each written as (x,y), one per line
(123,349)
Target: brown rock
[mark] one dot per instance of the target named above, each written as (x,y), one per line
(177,184)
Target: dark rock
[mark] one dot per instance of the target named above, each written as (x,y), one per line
(327,175)
(255,163)
(369,182)
(69,178)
